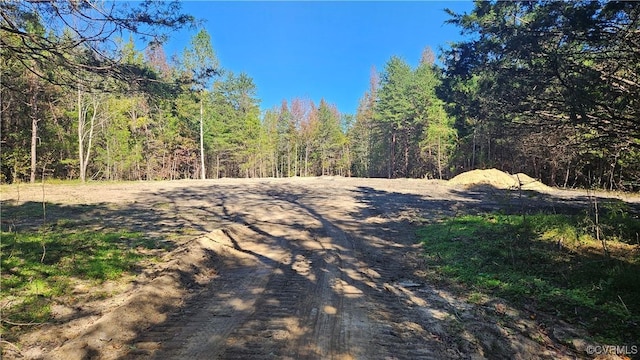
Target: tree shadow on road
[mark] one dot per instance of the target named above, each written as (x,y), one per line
(482,200)
(335,256)
(374,251)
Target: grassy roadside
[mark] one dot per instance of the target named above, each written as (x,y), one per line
(42,266)
(550,262)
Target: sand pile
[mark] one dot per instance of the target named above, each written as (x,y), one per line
(498,179)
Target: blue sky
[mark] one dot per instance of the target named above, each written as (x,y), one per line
(318,49)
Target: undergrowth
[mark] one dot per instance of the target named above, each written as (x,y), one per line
(551,262)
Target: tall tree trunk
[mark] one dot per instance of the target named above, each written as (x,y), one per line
(348,165)
(81,137)
(613,168)
(392,154)
(274,164)
(323,161)
(406,153)
(109,162)
(203,173)
(288,160)
(489,150)
(369,156)
(217,165)
(306,160)
(440,157)
(87,155)
(473,150)
(34,139)
(34,127)
(83,134)
(295,160)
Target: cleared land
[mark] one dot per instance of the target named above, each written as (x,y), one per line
(299,268)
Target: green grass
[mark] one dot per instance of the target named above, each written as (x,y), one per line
(30,281)
(549,261)
(27,210)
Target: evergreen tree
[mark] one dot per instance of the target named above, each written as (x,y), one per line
(545,74)
(201,65)
(393,111)
(71,29)
(361,133)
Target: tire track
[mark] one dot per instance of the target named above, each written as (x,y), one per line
(205,324)
(340,289)
(302,313)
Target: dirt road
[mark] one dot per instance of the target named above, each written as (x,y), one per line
(323,268)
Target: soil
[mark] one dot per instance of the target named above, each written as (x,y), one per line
(301,268)
(499,180)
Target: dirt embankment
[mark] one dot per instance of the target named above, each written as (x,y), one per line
(289,269)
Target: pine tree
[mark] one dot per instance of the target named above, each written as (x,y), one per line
(201,64)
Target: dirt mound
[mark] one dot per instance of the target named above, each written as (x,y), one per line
(529,183)
(493,177)
(498,179)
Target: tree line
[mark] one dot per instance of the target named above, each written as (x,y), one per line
(547,88)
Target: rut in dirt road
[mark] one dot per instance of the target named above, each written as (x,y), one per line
(298,302)
(325,274)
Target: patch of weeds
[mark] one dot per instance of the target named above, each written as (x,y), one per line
(619,224)
(32,309)
(548,260)
(476,298)
(38,266)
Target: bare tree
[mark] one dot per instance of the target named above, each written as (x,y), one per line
(89,118)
